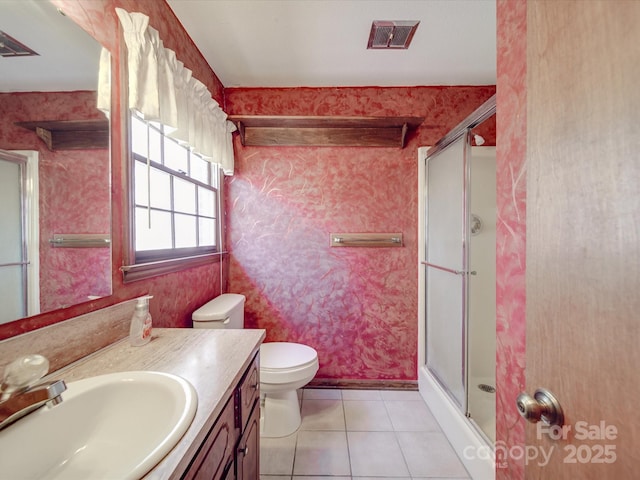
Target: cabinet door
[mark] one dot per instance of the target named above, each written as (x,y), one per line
(248,459)
(214,460)
(248,392)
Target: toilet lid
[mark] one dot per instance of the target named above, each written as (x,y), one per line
(285,355)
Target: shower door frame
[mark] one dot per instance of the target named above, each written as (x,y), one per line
(464,128)
(461,432)
(462,403)
(28,161)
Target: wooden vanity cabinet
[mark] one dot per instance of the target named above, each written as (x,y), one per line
(231,450)
(215,459)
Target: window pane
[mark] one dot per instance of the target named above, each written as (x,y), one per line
(200,169)
(158,236)
(155,145)
(184,196)
(185,231)
(184,211)
(206,202)
(175,156)
(141,191)
(207,232)
(160,189)
(138,136)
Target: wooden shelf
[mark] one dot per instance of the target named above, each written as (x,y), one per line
(268,130)
(70,134)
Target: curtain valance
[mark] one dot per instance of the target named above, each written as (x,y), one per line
(164,91)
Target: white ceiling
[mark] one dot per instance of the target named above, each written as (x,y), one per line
(68,57)
(275,43)
(319,43)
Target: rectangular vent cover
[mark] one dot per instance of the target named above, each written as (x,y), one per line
(10,47)
(392,34)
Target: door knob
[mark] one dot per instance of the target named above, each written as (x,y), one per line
(543,406)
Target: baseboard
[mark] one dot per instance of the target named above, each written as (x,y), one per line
(364,384)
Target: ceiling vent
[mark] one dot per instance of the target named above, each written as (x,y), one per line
(10,47)
(392,34)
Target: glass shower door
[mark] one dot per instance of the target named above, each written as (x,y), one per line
(13,287)
(445,264)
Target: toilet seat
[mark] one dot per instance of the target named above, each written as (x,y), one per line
(285,362)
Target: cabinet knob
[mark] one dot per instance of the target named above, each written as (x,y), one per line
(244,451)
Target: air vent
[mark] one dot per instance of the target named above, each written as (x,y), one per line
(10,47)
(392,34)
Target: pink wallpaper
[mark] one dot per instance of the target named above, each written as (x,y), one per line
(356,306)
(510,248)
(75,198)
(67,180)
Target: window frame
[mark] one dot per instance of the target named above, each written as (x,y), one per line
(146,264)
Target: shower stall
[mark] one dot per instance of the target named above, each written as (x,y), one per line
(457,288)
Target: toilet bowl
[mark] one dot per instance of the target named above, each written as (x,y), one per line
(284,366)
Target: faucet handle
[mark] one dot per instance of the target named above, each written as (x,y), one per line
(23,372)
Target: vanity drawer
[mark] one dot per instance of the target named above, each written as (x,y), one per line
(248,393)
(215,458)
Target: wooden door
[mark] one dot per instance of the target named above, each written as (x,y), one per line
(583,221)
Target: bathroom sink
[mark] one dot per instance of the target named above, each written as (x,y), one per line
(111,426)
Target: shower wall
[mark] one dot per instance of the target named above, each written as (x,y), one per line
(482,290)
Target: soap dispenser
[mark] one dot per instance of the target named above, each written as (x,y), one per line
(140,331)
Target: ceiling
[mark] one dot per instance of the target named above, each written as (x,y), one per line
(67,57)
(320,43)
(275,43)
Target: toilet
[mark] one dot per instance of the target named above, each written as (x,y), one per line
(284,366)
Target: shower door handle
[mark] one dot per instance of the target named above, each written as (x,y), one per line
(445,269)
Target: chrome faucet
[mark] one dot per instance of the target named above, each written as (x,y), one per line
(20,391)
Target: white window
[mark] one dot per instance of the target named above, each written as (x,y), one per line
(176,197)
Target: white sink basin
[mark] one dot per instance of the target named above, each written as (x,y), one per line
(116,426)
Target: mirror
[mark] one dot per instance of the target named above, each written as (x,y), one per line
(49,115)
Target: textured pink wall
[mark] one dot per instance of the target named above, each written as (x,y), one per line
(75,197)
(178,294)
(67,179)
(356,306)
(511,199)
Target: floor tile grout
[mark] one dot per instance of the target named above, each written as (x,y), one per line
(400,452)
(344,417)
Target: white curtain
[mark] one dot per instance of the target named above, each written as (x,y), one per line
(104,82)
(164,91)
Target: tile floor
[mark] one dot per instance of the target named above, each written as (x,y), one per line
(361,435)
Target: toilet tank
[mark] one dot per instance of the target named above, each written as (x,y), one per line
(224,311)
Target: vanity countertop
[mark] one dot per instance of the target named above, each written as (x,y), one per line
(213,361)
